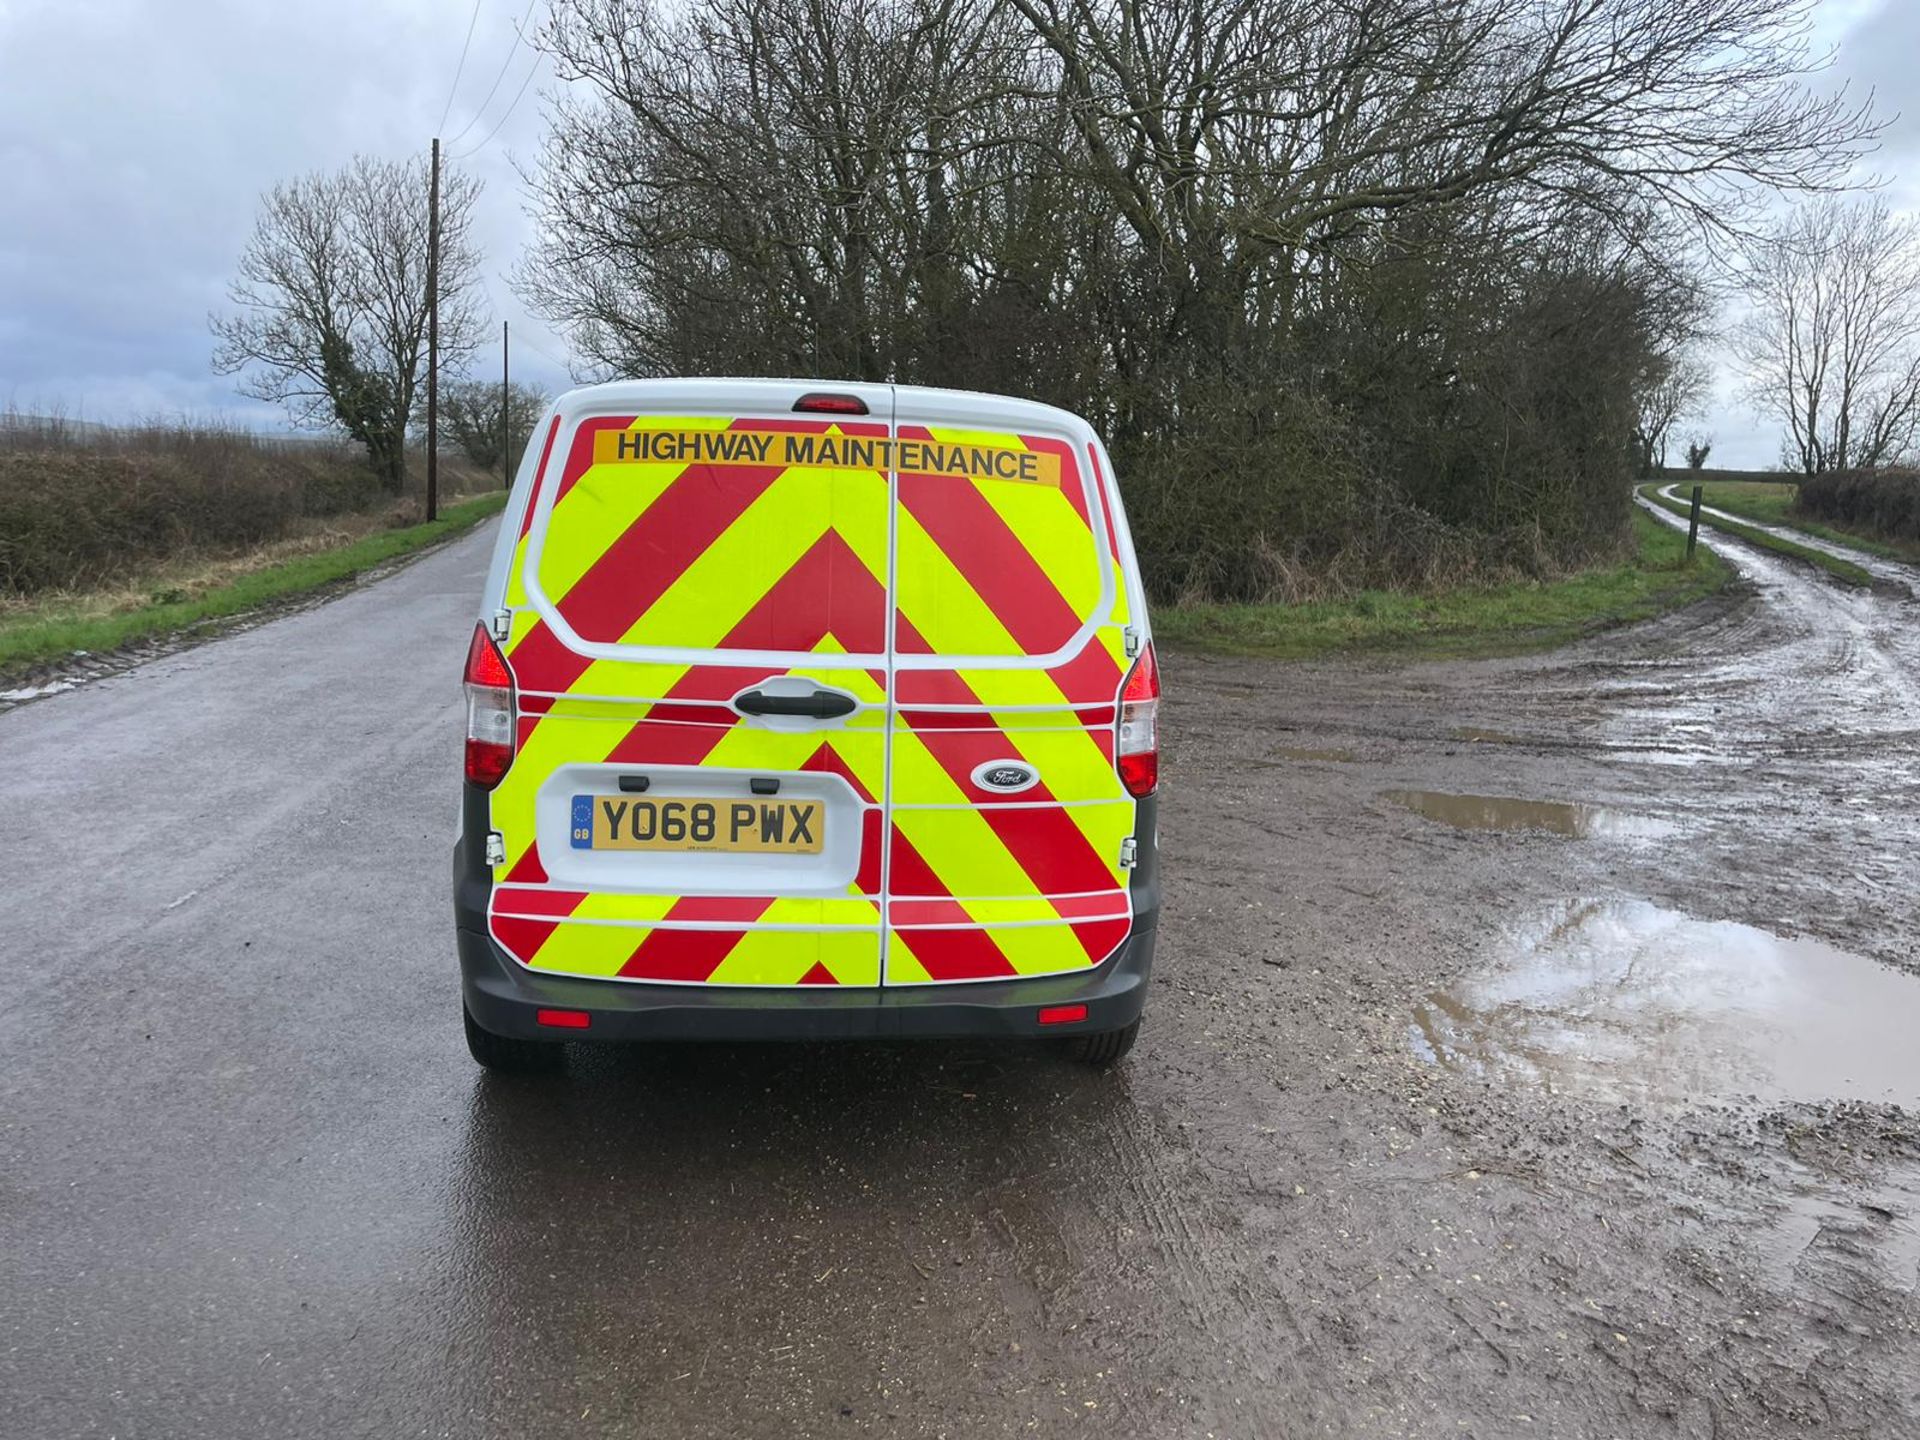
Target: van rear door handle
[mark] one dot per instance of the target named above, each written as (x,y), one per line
(820,705)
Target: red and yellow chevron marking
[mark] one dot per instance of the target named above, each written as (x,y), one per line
(1049,856)
(1037,874)
(658,552)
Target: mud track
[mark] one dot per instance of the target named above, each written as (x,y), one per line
(1438,1126)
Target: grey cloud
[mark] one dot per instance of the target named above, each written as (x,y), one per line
(136,138)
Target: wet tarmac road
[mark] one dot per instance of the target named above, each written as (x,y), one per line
(251,1185)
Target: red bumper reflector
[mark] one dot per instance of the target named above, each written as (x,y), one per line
(572,1019)
(1063,1014)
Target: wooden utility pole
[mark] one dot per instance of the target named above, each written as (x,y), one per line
(506,414)
(433,337)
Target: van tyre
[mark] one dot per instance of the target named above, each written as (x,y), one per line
(1105,1048)
(507,1056)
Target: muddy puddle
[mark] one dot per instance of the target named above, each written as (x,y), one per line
(1505,812)
(1624,998)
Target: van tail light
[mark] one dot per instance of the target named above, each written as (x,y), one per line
(489,711)
(1137,752)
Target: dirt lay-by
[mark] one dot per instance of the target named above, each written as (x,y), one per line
(805,713)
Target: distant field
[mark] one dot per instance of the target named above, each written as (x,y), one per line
(1712,476)
(1767,501)
(1771,502)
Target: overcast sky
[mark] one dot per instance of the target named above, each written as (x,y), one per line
(137,135)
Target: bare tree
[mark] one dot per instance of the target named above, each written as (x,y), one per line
(1336,277)
(800,173)
(472,411)
(1831,340)
(1238,138)
(1674,387)
(748,185)
(329,303)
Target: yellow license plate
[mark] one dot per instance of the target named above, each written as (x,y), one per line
(692,822)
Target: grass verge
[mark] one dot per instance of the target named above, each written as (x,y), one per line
(1504,620)
(1771,503)
(46,631)
(1843,570)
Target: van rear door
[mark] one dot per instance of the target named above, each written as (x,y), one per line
(697,630)
(1011,643)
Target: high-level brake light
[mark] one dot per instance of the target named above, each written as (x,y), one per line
(1137,749)
(489,711)
(821,402)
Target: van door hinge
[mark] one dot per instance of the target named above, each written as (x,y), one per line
(1129,853)
(496,848)
(501,624)
(1131,637)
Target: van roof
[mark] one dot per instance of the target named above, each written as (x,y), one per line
(764,393)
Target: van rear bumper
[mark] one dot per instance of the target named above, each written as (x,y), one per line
(503,995)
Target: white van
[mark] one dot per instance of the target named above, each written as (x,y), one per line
(804,709)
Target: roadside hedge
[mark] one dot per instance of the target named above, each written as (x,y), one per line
(1884,502)
(83,512)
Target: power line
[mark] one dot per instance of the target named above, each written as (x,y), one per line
(460,69)
(519,38)
(565,365)
(499,310)
(475,150)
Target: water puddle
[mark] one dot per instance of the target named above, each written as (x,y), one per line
(1656,755)
(34,692)
(1503,812)
(1624,998)
(1309,752)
